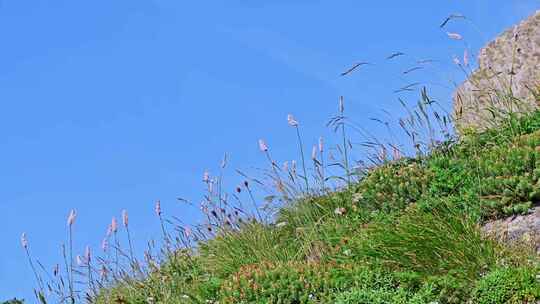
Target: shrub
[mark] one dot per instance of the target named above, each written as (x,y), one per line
(13,301)
(508,285)
(300,282)
(394,186)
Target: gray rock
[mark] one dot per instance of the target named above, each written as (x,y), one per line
(507,78)
(522,229)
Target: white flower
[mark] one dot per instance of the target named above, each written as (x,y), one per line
(357,197)
(125,218)
(291,121)
(71,217)
(454,36)
(24,241)
(340,211)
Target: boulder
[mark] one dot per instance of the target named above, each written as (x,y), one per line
(517,230)
(507,78)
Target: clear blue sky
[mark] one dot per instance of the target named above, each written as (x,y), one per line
(110,105)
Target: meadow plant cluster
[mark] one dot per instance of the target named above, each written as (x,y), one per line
(399,225)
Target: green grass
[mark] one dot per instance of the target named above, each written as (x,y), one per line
(407,232)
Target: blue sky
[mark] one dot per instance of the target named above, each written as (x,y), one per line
(111,105)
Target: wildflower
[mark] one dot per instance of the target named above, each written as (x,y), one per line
(24,241)
(454,36)
(206,177)
(80,261)
(281,224)
(466,58)
(125,218)
(396,153)
(314,153)
(88,254)
(321,144)
(204,209)
(382,153)
(291,121)
(262,145)
(456,61)
(293,166)
(286,166)
(187,232)
(109,231)
(114,225)
(158,208)
(71,217)
(104,244)
(357,197)
(238,189)
(340,211)
(103,272)
(224,161)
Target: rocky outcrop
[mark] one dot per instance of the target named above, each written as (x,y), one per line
(507,78)
(517,230)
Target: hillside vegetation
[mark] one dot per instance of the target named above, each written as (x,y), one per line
(407,231)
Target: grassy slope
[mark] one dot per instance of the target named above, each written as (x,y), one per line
(408,232)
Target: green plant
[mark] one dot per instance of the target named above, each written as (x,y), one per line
(508,285)
(300,282)
(14,301)
(432,243)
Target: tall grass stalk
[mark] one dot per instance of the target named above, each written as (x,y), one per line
(71,221)
(24,243)
(293,123)
(344,138)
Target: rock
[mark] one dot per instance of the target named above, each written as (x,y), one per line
(507,78)
(522,229)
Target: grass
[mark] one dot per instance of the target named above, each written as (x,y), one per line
(407,231)
(398,229)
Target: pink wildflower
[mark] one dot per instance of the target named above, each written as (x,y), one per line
(158,208)
(262,145)
(71,217)
(24,241)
